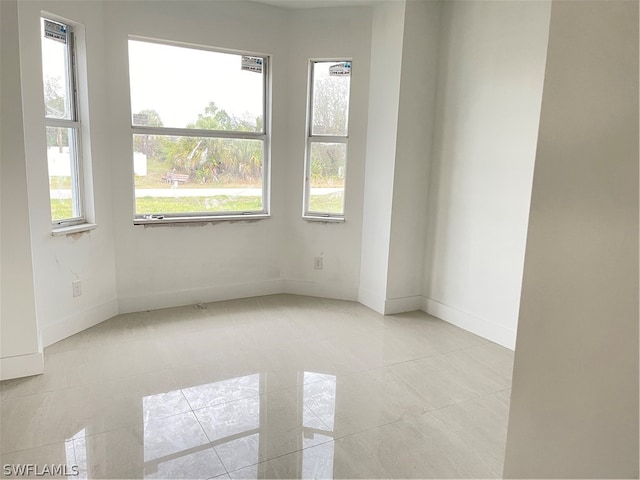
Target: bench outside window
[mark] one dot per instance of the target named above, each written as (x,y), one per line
(173,178)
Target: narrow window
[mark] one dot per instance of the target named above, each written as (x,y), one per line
(327,138)
(200,139)
(62,123)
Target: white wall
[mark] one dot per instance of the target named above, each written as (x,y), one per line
(574,404)
(325,33)
(20,353)
(384,93)
(489,92)
(441,149)
(173,265)
(88,257)
(165,266)
(413,155)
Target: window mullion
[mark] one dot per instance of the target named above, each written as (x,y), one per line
(328,139)
(61,123)
(194,132)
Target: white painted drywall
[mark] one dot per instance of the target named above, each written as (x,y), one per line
(327,33)
(18,325)
(384,94)
(574,404)
(491,71)
(492,59)
(413,155)
(87,257)
(165,266)
(173,265)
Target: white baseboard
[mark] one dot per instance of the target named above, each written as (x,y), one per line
(155,301)
(21,366)
(389,306)
(78,322)
(371,300)
(317,289)
(483,328)
(401,305)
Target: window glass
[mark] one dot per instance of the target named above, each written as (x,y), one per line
(197,174)
(327,140)
(193,88)
(56,70)
(331,82)
(62,124)
(328,164)
(63,187)
(199,135)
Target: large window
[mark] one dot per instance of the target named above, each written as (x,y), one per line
(62,123)
(200,136)
(327,137)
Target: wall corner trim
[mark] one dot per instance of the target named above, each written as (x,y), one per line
(370,300)
(403,304)
(320,289)
(21,366)
(78,322)
(479,326)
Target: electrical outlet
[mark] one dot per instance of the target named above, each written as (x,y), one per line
(77,288)
(317,263)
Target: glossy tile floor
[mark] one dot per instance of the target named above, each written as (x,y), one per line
(270,387)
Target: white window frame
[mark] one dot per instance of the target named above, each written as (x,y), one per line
(74,124)
(321,138)
(264,136)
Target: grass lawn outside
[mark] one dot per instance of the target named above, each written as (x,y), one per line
(218,203)
(61,209)
(331,203)
(58,182)
(156,169)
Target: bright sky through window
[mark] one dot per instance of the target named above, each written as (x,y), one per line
(55,74)
(178,83)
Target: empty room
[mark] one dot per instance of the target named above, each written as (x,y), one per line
(319,239)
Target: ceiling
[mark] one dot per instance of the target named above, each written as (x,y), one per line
(318,3)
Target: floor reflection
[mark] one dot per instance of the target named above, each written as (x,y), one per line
(224,414)
(273,387)
(231,427)
(319,396)
(318,462)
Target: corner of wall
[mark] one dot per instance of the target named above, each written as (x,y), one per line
(21,366)
(479,326)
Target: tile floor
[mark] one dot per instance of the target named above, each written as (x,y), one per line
(270,387)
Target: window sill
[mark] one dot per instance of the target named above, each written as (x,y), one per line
(323,219)
(83,227)
(169,221)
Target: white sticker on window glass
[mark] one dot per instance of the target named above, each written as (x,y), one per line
(340,69)
(55,31)
(252,64)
